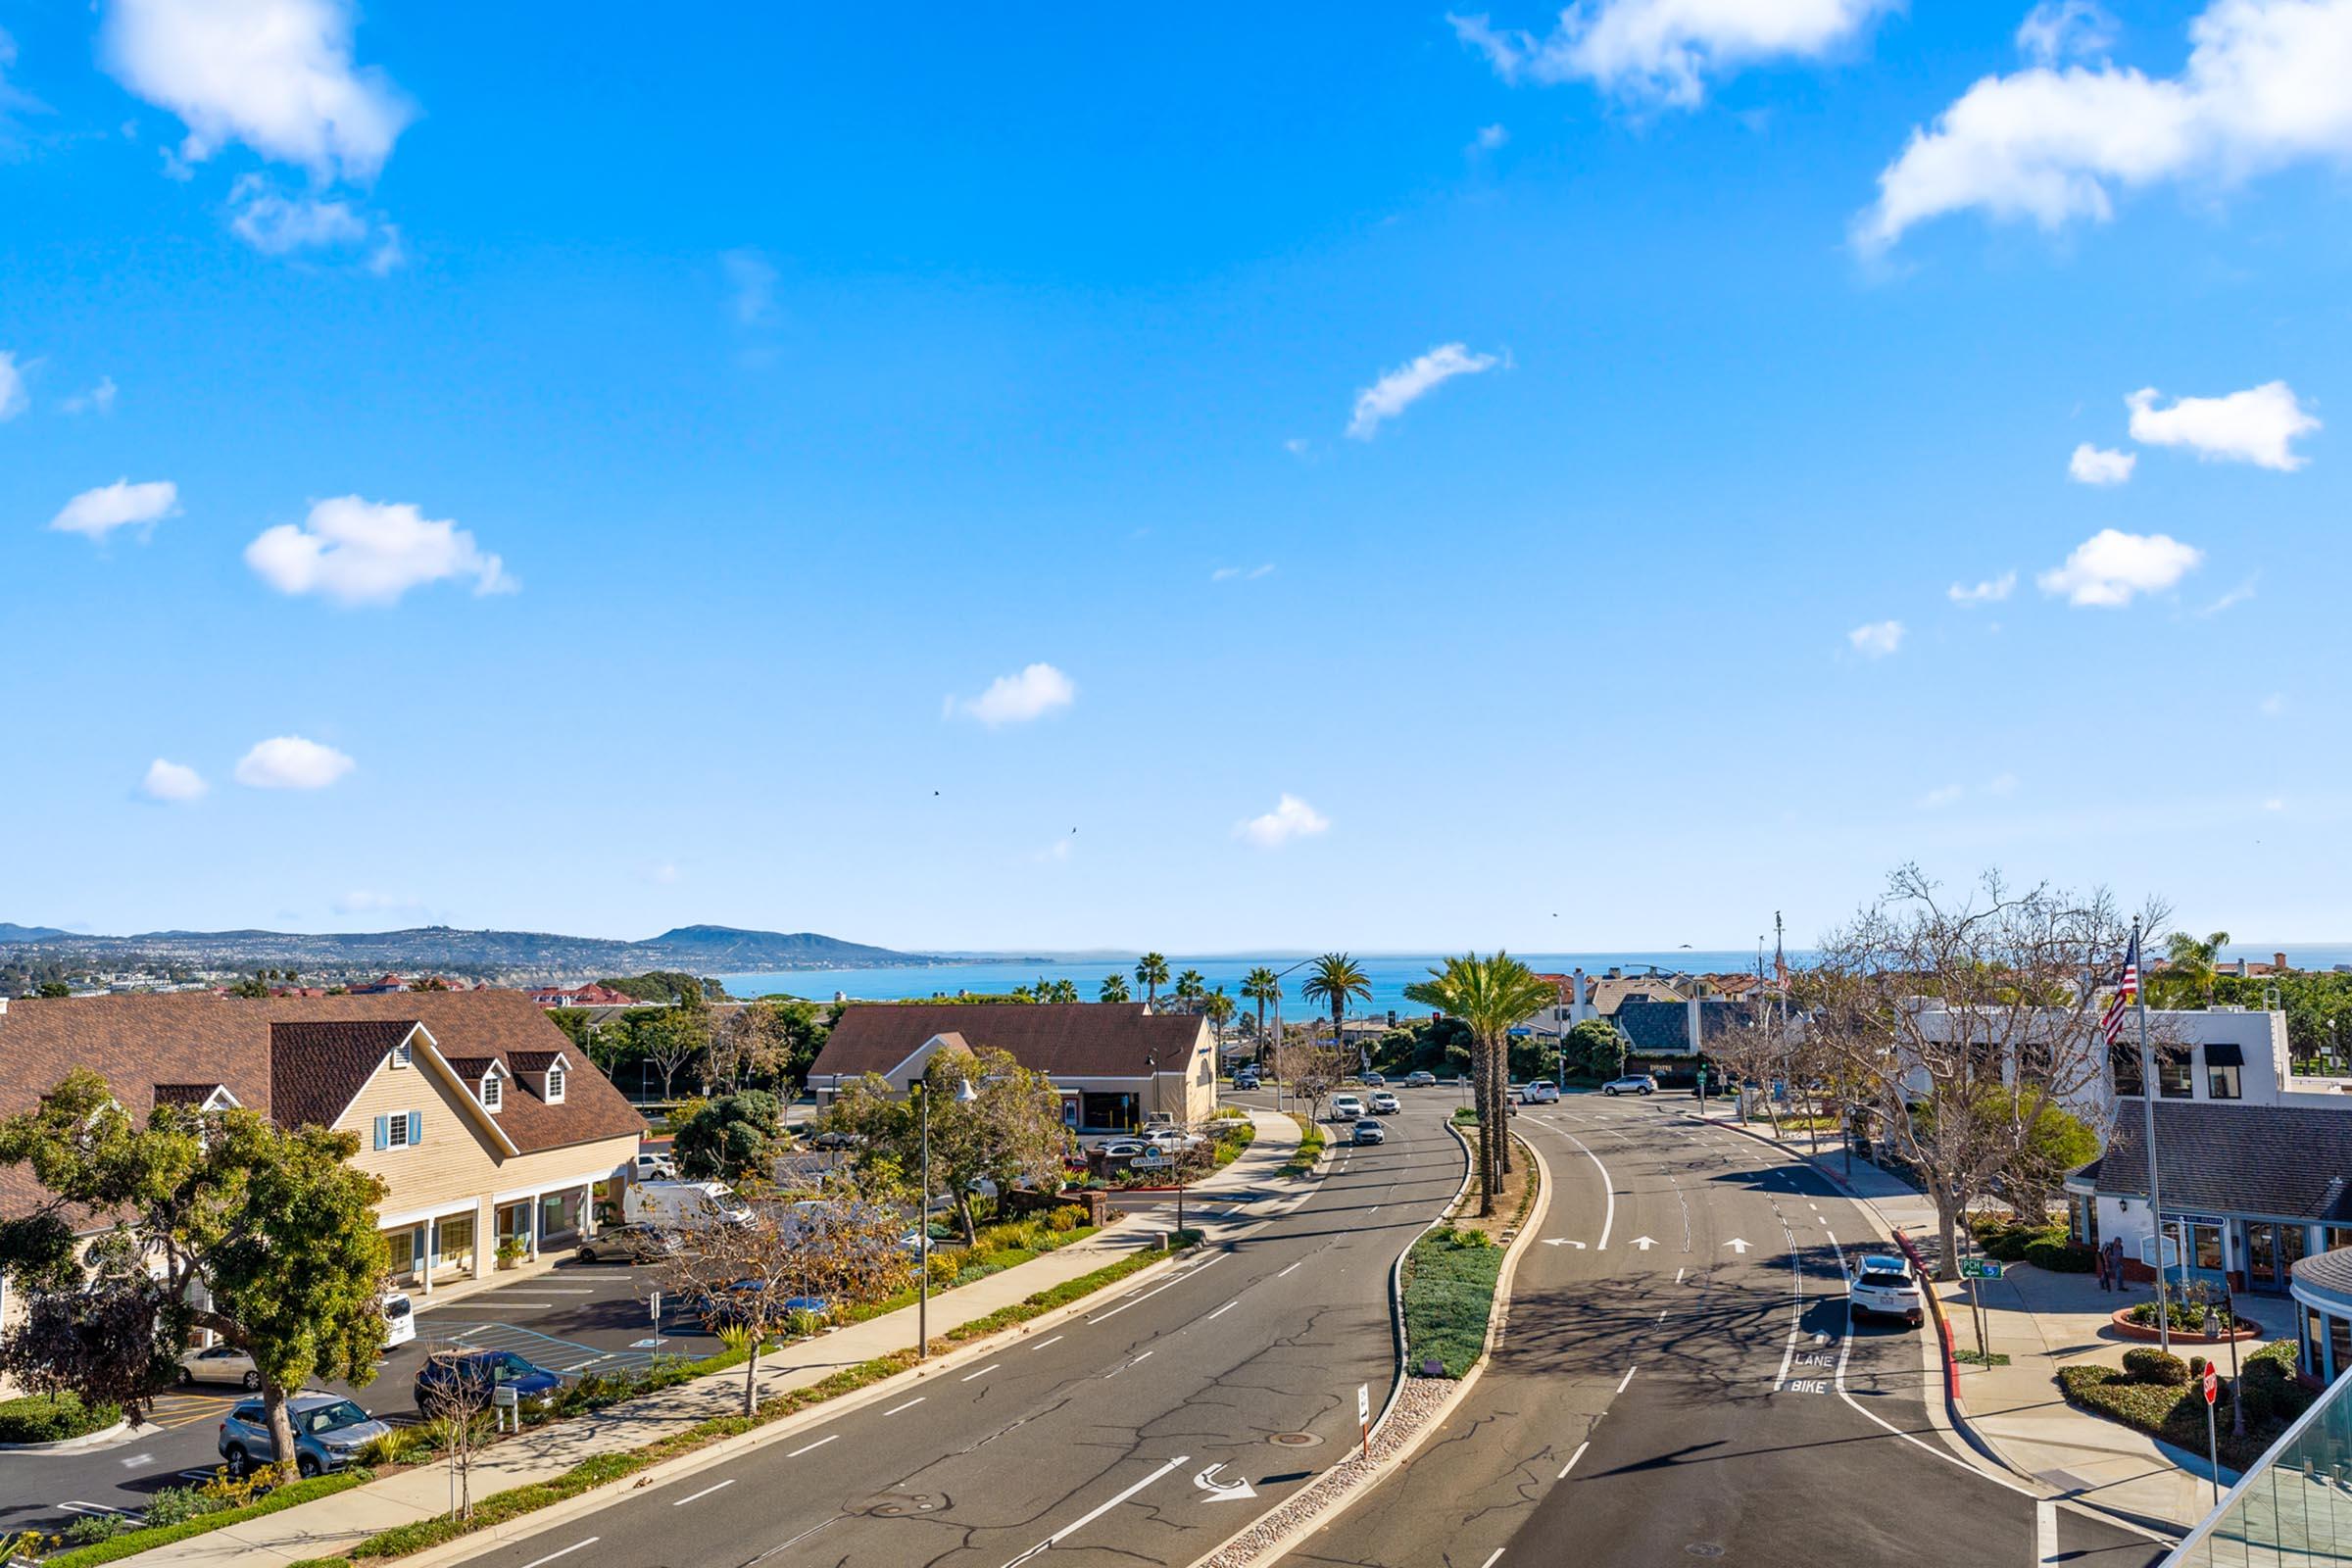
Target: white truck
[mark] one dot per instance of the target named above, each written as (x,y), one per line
(683,1205)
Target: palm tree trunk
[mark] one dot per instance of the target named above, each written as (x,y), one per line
(1485,1127)
(1499,1060)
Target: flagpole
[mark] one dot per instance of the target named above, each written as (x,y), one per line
(2147,1107)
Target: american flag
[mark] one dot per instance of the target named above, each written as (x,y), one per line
(2126,988)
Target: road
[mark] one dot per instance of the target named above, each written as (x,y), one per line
(1680,1380)
(575,1317)
(1140,1433)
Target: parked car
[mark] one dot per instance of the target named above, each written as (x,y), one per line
(1370,1080)
(1347,1107)
(468,1378)
(328,1430)
(629,1243)
(1542,1091)
(1886,1287)
(1420,1080)
(685,1205)
(400,1319)
(1384,1103)
(720,1309)
(655,1166)
(1369,1131)
(1246,1078)
(1639,1083)
(1124,1149)
(835,1139)
(218,1364)
(1172,1139)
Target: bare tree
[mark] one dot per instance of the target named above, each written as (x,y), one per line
(1962,1019)
(457,1407)
(1310,1070)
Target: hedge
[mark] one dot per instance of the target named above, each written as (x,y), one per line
(1450,1280)
(2175,1413)
(133,1542)
(54,1418)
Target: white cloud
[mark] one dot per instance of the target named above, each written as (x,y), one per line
(1400,388)
(1241,573)
(2256,425)
(752,283)
(664,875)
(290,763)
(2230,599)
(2273,706)
(2263,88)
(274,75)
(2098,465)
(2001,784)
(360,552)
(99,399)
(2274,803)
(170,781)
(365,902)
(1490,138)
(1944,794)
(276,224)
(1877,639)
(2110,567)
(1665,50)
(2057,29)
(1290,819)
(1296,446)
(1035,692)
(1991,591)
(13,400)
(1057,851)
(96,513)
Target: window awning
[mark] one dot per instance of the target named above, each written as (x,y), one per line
(2225,1053)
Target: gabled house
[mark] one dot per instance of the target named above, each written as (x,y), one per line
(475,1112)
(1115,1064)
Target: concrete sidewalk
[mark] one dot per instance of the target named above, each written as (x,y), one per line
(333,1525)
(2041,1321)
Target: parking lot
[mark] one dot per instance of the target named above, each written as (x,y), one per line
(579,1318)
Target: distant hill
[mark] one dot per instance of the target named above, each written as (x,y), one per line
(445,949)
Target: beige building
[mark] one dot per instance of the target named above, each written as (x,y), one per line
(482,1120)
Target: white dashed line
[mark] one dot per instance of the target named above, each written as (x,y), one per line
(908,1406)
(1222,1310)
(983,1372)
(565,1552)
(1293,1266)
(1491,1561)
(1041,1343)
(819,1443)
(1628,1378)
(1572,1458)
(705,1492)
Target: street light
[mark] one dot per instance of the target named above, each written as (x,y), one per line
(965,1094)
(1301,964)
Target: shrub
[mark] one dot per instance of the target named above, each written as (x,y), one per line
(2059,1255)
(1065,1219)
(91,1528)
(53,1418)
(130,1543)
(176,1504)
(2146,1365)
(801,1323)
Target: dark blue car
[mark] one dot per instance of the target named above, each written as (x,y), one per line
(453,1381)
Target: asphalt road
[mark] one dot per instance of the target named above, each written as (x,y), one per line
(1680,1381)
(575,1317)
(1142,1433)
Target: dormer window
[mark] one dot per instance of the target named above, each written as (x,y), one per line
(493,1089)
(554,1085)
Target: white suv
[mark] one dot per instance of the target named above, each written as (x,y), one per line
(1347,1107)
(1542,1091)
(1885,1287)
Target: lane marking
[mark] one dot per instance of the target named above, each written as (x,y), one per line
(1096,1512)
(1661,1314)
(1222,1310)
(1041,1343)
(2046,1533)
(1169,1285)
(819,1443)
(1287,1270)
(705,1492)
(1628,1378)
(908,1406)
(565,1552)
(1572,1458)
(983,1372)
(1491,1561)
(1797,1309)
(1678,1276)
(1608,1189)
(1124,1365)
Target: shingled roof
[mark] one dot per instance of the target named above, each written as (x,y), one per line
(317,1067)
(2243,1159)
(1062,1039)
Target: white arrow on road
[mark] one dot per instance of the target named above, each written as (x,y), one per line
(1737,1244)
(1561,1241)
(1234,1491)
(1646,1242)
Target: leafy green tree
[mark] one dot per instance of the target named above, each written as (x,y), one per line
(55,989)
(272,1228)
(666,986)
(1114,989)
(1490,996)
(1151,972)
(2194,961)
(1010,1132)
(1335,980)
(252,988)
(1594,1049)
(731,1138)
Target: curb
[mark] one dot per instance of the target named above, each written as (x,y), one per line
(104,1437)
(1290,1537)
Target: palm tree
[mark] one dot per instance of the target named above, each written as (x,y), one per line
(1334,981)
(1065,989)
(1151,972)
(2193,960)
(1114,987)
(1261,986)
(1220,1009)
(1492,997)
(1189,987)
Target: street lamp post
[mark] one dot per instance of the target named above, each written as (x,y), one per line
(965,1096)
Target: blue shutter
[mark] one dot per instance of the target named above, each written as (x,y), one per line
(416,1128)
(383,1132)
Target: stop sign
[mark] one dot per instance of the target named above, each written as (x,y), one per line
(2213,1385)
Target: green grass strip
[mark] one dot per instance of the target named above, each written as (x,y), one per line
(1448,1297)
(133,1542)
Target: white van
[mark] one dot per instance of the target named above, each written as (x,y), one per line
(400,1319)
(683,1205)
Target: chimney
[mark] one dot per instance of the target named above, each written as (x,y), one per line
(1578,1008)
(2279,962)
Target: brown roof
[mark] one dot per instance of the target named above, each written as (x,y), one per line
(184,1094)
(532,1061)
(310,1046)
(1062,1039)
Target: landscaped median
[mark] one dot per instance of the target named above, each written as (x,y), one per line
(1311,1147)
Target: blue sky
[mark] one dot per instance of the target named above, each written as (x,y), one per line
(1344,475)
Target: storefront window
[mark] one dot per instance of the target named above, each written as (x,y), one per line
(2173,1079)
(2262,1251)
(2220,1083)
(2338,1237)
(2207,1241)
(403,1247)
(2291,1242)
(457,1240)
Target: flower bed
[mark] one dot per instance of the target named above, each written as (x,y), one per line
(2140,1323)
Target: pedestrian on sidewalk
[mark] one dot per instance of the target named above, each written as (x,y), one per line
(2100,1268)
(2115,1262)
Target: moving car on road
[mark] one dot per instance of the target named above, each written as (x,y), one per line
(1245,1078)
(1370,1080)
(1887,1288)
(1420,1080)
(1347,1107)
(1384,1103)
(628,1243)
(1369,1131)
(328,1430)
(466,1380)
(1639,1083)
(1542,1091)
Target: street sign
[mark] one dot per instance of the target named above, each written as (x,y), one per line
(2213,1385)
(1980,1268)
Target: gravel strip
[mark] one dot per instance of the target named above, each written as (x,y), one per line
(1422,1400)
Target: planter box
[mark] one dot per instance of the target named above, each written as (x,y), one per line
(2146,1333)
